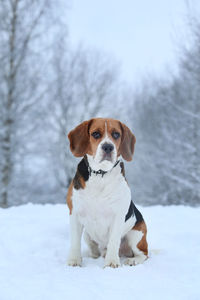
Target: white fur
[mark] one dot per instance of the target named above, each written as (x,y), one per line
(74,257)
(93,246)
(101,208)
(134,237)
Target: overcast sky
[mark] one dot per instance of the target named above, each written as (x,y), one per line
(141,34)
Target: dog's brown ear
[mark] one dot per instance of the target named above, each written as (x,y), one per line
(127,143)
(79,139)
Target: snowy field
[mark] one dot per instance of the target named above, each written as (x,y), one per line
(34,241)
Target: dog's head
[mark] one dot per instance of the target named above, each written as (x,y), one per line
(103,140)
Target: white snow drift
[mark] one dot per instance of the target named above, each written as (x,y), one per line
(34,241)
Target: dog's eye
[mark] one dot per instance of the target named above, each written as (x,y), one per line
(96,135)
(115,135)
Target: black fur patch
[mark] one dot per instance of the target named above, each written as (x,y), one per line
(83,168)
(130,211)
(82,171)
(122,168)
(138,214)
(134,211)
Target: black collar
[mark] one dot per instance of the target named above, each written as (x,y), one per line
(99,172)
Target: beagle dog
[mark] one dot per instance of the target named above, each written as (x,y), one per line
(99,198)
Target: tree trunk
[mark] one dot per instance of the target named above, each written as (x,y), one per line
(8,122)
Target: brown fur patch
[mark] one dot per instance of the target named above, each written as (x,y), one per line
(114,126)
(142,245)
(79,139)
(127,143)
(69,197)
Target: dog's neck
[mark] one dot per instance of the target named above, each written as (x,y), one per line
(100,171)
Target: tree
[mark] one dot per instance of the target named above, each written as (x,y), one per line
(21,24)
(167,163)
(85,84)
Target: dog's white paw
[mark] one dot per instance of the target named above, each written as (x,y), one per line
(113,263)
(74,261)
(133,261)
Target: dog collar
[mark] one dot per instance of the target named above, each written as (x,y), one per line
(100,172)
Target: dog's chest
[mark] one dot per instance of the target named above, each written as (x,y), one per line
(97,204)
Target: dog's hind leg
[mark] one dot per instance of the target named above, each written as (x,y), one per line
(136,238)
(93,246)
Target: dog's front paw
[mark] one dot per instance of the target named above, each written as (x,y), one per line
(74,261)
(113,263)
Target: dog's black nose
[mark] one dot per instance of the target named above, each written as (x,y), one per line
(107,148)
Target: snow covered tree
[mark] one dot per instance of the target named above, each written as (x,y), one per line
(167,122)
(85,84)
(21,24)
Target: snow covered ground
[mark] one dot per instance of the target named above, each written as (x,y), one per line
(34,242)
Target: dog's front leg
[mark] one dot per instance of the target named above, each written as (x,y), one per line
(112,254)
(76,229)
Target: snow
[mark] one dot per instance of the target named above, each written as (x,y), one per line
(34,241)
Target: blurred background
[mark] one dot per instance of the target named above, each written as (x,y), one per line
(62,62)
